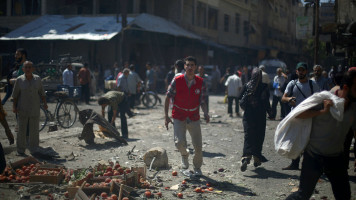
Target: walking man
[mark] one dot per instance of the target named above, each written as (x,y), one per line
(84,80)
(324,151)
(27,95)
(20,57)
(296,92)
(185,112)
(319,79)
(134,82)
(233,86)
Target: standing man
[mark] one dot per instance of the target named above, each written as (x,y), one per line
(27,95)
(116,101)
(319,79)
(151,77)
(122,82)
(202,75)
(296,92)
(68,76)
(170,75)
(84,80)
(324,151)
(185,112)
(233,86)
(278,81)
(179,65)
(134,82)
(20,57)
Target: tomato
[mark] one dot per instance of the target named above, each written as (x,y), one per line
(184,182)
(174,173)
(210,189)
(180,195)
(128,171)
(116,173)
(90,175)
(148,193)
(109,169)
(109,173)
(208,184)
(117,166)
(198,190)
(107,180)
(125,198)
(104,195)
(120,170)
(114,196)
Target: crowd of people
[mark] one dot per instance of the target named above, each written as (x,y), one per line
(327,150)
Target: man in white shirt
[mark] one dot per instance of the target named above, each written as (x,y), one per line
(68,76)
(278,82)
(233,86)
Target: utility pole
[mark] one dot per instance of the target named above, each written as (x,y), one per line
(316,26)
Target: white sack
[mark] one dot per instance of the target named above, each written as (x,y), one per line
(292,134)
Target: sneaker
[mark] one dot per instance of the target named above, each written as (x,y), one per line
(197,172)
(244,162)
(185,162)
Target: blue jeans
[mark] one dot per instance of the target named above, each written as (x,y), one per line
(313,167)
(123,109)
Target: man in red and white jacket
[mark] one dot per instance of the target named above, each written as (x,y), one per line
(186,91)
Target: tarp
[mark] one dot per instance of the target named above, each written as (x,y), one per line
(58,27)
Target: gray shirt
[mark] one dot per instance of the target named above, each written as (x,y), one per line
(28,94)
(304,87)
(328,135)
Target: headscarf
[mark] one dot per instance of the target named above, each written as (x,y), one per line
(256,78)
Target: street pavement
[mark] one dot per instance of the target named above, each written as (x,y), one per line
(222,149)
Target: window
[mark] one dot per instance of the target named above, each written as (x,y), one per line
(237,23)
(201,14)
(246,28)
(226,23)
(213,18)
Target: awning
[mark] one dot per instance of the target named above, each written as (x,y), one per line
(58,27)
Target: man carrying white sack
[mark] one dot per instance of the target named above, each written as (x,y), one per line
(324,151)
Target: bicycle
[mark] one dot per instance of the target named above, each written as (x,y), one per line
(148,98)
(66,112)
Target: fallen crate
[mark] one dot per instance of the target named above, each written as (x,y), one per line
(47,175)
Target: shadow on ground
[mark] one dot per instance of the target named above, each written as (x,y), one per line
(263,173)
(224,186)
(211,155)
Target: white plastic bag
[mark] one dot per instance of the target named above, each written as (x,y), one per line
(292,134)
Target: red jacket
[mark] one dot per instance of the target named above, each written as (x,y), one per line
(187,100)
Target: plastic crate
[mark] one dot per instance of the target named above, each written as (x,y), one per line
(75,92)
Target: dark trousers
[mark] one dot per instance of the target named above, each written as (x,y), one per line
(8,94)
(132,99)
(313,167)
(275,101)
(347,145)
(2,159)
(230,101)
(254,122)
(85,93)
(123,109)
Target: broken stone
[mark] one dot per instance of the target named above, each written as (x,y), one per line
(160,155)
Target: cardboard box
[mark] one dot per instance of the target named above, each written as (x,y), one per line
(26,161)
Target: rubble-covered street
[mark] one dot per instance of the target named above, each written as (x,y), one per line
(222,149)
